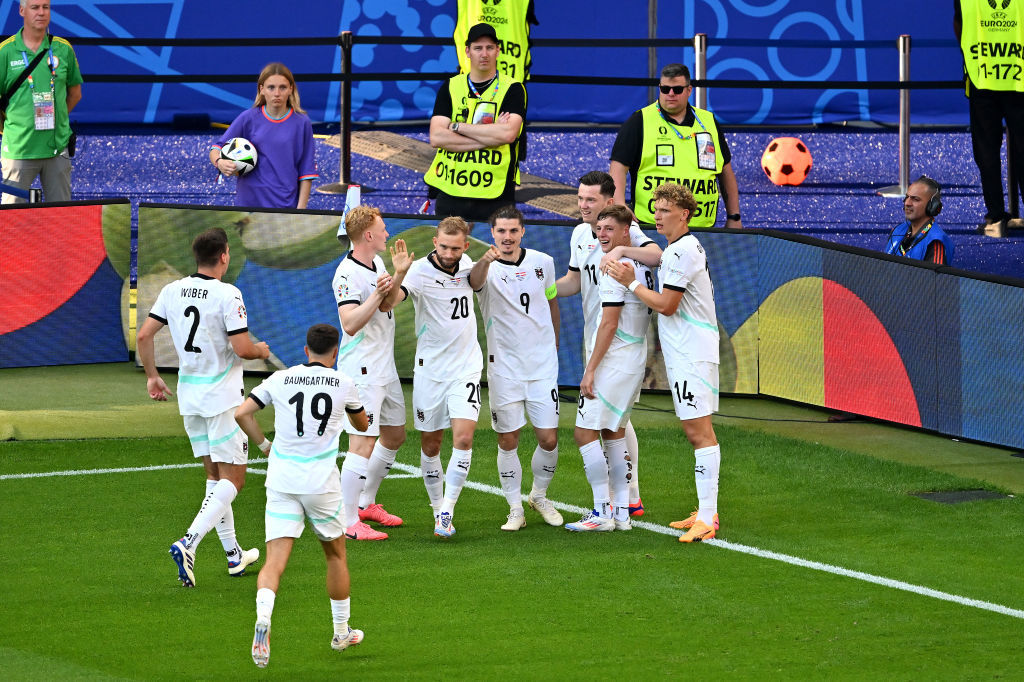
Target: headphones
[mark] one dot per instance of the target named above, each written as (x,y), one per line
(934,205)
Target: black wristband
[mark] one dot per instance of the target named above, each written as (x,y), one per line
(732,216)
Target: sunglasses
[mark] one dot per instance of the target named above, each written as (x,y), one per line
(674,89)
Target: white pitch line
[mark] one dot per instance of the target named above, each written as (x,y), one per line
(414,472)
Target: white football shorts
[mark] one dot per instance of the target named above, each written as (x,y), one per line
(694,389)
(615,393)
(286,515)
(513,400)
(436,403)
(384,405)
(219,436)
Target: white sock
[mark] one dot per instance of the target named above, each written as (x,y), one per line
(458,472)
(377,468)
(433,479)
(213,509)
(543,464)
(634,454)
(596,468)
(353,476)
(226,529)
(705,474)
(510,473)
(340,609)
(264,603)
(618,476)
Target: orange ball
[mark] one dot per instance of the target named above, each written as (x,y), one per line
(786,161)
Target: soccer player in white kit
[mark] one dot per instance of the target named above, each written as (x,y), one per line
(688,328)
(310,402)
(209,327)
(516,288)
(446,378)
(611,383)
(366,295)
(596,193)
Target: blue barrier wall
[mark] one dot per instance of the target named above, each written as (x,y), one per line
(801,320)
(728,24)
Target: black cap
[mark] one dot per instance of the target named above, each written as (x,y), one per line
(479,31)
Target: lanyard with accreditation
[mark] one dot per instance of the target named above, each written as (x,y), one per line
(5,99)
(705,143)
(42,101)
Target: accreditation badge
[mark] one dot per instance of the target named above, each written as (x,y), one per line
(705,151)
(665,154)
(485,112)
(42,102)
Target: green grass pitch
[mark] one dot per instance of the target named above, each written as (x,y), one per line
(827,565)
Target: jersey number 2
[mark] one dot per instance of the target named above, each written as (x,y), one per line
(190,346)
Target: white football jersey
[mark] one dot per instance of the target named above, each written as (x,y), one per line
(516,313)
(201,313)
(585,256)
(691,334)
(628,350)
(368,356)
(445,319)
(310,402)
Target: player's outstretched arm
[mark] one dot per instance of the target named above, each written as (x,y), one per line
(245,415)
(478,275)
(155,385)
(568,284)
(401,260)
(247,350)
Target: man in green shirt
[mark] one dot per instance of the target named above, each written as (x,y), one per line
(36,129)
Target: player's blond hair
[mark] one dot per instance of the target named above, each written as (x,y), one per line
(453,225)
(678,195)
(359,220)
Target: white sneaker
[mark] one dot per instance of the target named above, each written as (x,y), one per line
(623,525)
(249,557)
(546,509)
(340,643)
(591,522)
(261,644)
(516,520)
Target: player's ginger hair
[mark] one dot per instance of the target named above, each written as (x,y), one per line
(359,220)
(453,225)
(679,195)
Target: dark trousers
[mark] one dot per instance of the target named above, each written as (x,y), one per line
(470,210)
(988,109)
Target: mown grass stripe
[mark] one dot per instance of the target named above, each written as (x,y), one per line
(413,472)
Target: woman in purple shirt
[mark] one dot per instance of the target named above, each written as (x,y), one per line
(283,136)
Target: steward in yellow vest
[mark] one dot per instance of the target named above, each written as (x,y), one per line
(476,123)
(671,142)
(511,21)
(991,34)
